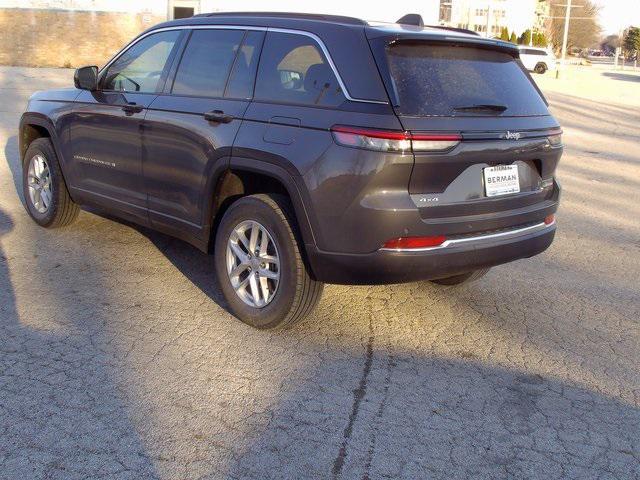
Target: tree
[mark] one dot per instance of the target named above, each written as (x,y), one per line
(542,40)
(525,38)
(610,43)
(584,29)
(513,38)
(631,42)
(504,34)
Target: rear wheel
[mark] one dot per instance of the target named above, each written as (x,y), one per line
(45,192)
(541,68)
(260,266)
(462,278)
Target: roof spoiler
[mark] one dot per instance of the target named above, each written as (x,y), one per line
(411,19)
(455,29)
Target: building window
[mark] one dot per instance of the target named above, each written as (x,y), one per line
(445,10)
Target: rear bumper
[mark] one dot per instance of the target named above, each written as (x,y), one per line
(394,266)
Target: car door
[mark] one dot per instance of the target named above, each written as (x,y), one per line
(105,140)
(190,127)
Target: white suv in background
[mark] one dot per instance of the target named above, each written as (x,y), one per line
(538,60)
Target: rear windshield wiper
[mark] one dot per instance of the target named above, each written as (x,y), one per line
(488,107)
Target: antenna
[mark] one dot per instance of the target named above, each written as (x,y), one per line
(411,19)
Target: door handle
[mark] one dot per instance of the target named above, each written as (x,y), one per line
(218,116)
(132,107)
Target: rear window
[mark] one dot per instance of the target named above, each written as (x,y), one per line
(441,80)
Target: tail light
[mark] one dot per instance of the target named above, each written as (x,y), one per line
(393,140)
(555,139)
(414,242)
(549,219)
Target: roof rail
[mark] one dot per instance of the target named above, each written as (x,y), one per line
(300,16)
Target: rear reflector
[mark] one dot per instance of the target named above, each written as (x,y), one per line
(393,140)
(415,242)
(549,219)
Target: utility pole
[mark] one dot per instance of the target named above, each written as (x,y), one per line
(488,20)
(565,38)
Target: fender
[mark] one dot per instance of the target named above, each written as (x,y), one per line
(41,120)
(36,118)
(293,185)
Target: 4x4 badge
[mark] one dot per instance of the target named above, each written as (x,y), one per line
(512,135)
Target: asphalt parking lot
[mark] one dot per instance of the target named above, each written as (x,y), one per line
(118,360)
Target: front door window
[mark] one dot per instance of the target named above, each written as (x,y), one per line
(140,68)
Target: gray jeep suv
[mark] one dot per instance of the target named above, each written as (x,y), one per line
(305,149)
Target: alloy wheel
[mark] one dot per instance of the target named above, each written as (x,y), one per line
(39,183)
(253,264)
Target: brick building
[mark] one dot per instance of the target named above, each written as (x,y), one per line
(88,32)
(79,32)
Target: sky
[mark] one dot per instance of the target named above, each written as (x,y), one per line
(618,14)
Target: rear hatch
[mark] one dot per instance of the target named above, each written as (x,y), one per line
(445,85)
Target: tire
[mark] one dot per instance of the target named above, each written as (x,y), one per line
(541,68)
(296,293)
(60,209)
(462,278)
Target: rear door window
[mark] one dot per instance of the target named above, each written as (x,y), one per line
(293,69)
(445,80)
(206,63)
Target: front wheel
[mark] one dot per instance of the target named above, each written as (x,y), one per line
(259,263)
(45,191)
(462,278)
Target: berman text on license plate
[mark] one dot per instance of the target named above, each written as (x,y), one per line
(501,180)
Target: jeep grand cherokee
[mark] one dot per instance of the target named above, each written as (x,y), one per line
(305,149)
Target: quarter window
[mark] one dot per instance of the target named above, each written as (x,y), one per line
(207,60)
(140,68)
(294,70)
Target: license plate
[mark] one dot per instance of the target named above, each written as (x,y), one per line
(501,180)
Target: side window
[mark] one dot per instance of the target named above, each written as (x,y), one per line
(207,60)
(140,68)
(294,70)
(243,75)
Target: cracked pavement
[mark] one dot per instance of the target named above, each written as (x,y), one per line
(118,360)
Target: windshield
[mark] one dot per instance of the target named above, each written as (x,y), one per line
(453,81)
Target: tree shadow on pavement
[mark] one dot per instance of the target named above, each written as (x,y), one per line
(63,413)
(412,416)
(12,158)
(7,297)
(622,76)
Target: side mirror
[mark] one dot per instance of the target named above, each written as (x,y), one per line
(86,78)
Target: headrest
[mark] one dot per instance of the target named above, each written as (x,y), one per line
(318,75)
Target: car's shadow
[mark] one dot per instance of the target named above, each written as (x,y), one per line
(195,265)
